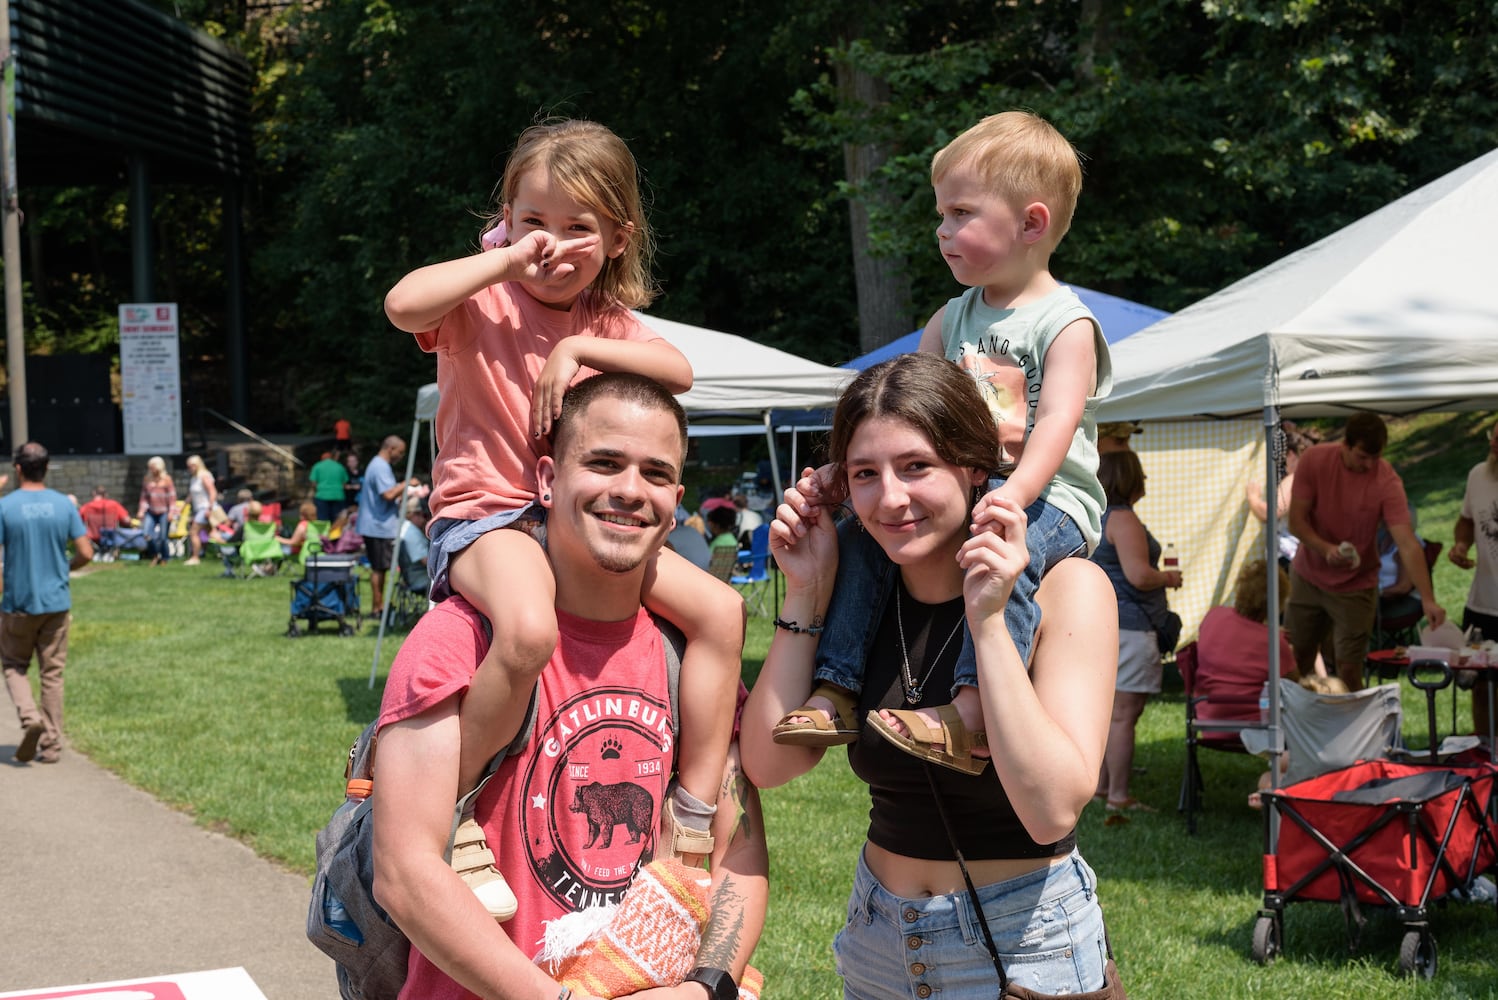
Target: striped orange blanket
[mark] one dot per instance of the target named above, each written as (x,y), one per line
(650,939)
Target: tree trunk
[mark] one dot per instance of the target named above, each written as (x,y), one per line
(882,285)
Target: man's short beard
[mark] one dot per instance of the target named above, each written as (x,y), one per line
(611,563)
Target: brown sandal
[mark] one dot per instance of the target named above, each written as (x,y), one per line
(957,744)
(820,730)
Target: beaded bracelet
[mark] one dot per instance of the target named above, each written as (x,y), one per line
(797,629)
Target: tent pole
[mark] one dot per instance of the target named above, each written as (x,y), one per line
(774,497)
(774,462)
(1272,586)
(395,554)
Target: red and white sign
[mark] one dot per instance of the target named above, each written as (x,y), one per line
(150,379)
(219,984)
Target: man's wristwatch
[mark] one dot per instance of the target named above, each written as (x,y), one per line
(720,985)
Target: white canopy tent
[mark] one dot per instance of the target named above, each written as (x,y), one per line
(1395,313)
(734,380)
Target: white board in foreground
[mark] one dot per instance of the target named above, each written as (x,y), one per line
(217,984)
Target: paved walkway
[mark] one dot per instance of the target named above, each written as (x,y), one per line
(101,882)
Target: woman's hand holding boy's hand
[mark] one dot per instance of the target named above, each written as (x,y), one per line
(994,557)
(822,486)
(803,538)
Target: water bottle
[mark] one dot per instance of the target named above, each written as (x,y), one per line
(335,915)
(1170,561)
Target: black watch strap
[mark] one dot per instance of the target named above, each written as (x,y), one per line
(720,985)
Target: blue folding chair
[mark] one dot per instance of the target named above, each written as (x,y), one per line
(755,584)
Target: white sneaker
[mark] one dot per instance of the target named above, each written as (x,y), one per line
(474,863)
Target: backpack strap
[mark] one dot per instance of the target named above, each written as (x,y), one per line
(674,644)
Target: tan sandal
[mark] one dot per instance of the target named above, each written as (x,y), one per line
(956,744)
(474,863)
(685,840)
(820,730)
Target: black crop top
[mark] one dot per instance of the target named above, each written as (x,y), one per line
(902,816)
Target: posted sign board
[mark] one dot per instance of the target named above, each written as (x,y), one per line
(150,379)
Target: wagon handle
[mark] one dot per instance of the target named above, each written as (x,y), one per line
(1430,687)
(1435,684)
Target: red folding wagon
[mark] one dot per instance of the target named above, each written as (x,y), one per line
(1377,832)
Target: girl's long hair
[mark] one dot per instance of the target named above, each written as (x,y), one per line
(595,167)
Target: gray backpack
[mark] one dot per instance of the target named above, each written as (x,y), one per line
(343,919)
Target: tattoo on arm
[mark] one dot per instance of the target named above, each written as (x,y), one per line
(724,932)
(733,793)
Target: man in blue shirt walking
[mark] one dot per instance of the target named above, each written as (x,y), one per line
(36,524)
(379,514)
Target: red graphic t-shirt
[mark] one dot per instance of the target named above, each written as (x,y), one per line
(586,793)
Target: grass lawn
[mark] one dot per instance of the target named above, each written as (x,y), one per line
(184,684)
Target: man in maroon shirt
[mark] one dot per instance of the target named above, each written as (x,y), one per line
(1342,491)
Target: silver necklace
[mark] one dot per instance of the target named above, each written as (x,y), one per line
(913,691)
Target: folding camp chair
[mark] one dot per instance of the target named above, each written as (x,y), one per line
(409,599)
(260,554)
(723,561)
(1326,731)
(1212,734)
(755,583)
(312,542)
(178,528)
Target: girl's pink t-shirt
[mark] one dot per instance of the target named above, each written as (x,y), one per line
(490,351)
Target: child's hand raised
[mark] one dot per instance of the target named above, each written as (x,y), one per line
(546,258)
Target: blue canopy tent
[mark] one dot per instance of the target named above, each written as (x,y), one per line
(1118,317)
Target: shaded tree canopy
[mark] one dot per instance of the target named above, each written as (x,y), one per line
(1218,135)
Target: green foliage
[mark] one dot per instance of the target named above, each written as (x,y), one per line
(1218,135)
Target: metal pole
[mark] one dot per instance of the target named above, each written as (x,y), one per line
(239,380)
(10,245)
(1272,595)
(142,259)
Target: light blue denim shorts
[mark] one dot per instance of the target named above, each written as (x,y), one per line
(450,536)
(1047,925)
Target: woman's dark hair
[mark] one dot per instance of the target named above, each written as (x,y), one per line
(1122,477)
(930,394)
